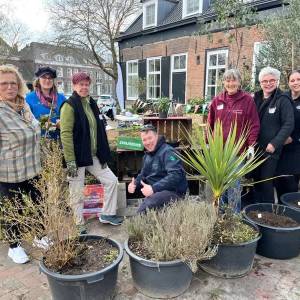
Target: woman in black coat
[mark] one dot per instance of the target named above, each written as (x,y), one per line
(276,125)
(289,163)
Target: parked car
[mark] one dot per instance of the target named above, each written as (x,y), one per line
(107,106)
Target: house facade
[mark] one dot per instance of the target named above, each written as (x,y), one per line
(66,62)
(163,48)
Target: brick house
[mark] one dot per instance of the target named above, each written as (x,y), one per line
(163,47)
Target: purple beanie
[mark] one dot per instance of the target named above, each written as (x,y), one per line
(77,77)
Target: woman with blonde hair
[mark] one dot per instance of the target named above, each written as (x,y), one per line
(19,151)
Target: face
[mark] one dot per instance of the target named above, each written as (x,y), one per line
(8,86)
(82,88)
(268,84)
(46,81)
(149,139)
(294,82)
(231,86)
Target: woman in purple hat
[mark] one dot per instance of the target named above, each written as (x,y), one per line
(85,146)
(45,101)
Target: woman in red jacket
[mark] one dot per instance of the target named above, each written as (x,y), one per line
(234,105)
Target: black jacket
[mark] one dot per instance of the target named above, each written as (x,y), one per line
(276,120)
(163,170)
(81,134)
(289,162)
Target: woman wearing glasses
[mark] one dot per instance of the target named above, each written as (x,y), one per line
(276,124)
(45,101)
(19,150)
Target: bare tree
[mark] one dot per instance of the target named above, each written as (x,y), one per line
(92,25)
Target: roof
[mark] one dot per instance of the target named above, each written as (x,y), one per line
(174,18)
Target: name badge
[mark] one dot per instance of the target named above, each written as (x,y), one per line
(220,106)
(272,110)
(298,107)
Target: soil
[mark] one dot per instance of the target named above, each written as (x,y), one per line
(95,255)
(138,249)
(272,219)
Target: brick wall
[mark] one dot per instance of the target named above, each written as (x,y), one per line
(197,47)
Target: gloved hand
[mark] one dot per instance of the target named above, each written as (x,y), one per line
(72,168)
(250,152)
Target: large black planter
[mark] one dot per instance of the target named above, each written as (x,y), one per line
(89,286)
(159,279)
(286,199)
(232,260)
(277,242)
(163,114)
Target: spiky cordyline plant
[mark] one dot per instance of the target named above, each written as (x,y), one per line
(220,162)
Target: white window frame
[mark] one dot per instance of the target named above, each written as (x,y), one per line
(75,71)
(154,73)
(69,72)
(177,71)
(59,57)
(145,5)
(184,9)
(69,87)
(131,74)
(60,72)
(207,68)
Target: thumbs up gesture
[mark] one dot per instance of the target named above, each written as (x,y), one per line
(146,189)
(131,186)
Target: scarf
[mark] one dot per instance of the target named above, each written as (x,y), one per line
(47,101)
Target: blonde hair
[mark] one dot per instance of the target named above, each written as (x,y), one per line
(22,88)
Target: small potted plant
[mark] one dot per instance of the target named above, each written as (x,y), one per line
(164,246)
(222,163)
(163,106)
(69,261)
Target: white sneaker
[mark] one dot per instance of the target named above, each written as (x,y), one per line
(43,243)
(18,255)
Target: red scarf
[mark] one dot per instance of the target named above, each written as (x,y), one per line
(47,100)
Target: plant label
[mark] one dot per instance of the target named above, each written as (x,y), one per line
(259,216)
(298,203)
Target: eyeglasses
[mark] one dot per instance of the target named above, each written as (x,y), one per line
(47,77)
(5,84)
(265,82)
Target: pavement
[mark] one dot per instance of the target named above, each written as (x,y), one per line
(269,279)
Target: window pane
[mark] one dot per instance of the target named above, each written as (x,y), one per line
(151,65)
(192,6)
(150,14)
(211,77)
(176,63)
(134,67)
(222,59)
(211,92)
(182,61)
(157,65)
(212,60)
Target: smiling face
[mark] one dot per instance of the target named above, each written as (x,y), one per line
(231,85)
(46,81)
(294,83)
(8,86)
(268,84)
(82,88)
(149,139)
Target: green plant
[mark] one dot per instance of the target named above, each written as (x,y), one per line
(163,104)
(165,235)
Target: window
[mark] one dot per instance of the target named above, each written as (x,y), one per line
(132,79)
(216,65)
(191,7)
(70,59)
(150,14)
(59,57)
(153,78)
(179,63)
(60,72)
(69,72)
(69,87)
(75,71)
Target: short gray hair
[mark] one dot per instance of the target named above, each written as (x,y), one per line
(269,71)
(232,74)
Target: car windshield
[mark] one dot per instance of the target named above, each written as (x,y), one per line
(104,97)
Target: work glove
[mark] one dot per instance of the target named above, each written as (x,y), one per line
(250,152)
(72,168)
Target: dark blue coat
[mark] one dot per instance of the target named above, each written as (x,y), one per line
(163,170)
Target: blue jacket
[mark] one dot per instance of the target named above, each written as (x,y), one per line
(163,170)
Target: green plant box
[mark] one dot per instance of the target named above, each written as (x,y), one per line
(130,143)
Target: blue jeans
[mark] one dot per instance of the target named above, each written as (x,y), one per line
(232,198)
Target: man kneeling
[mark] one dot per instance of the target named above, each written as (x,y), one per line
(162,178)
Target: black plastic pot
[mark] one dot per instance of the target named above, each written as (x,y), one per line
(277,242)
(159,279)
(286,199)
(232,260)
(89,286)
(163,114)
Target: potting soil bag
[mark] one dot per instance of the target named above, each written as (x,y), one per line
(93,200)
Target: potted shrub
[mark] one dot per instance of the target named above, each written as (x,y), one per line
(163,252)
(163,106)
(77,267)
(222,163)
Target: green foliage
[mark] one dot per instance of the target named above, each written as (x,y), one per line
(221,162)
(182,230)
(163,104)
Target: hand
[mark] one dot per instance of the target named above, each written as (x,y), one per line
(288,140)
(72,168)
(57,124)
(250,152)
(270,148)
(131,186)
(146,189)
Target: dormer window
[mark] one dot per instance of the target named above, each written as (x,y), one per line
(59,57)
(191,7)
(150,14)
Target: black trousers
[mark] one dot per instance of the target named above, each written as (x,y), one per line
(287,184)
(264,192)
(12,190)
